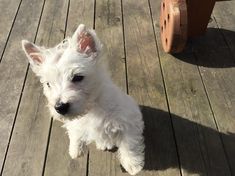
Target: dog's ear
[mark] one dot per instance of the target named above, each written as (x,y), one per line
(86,41)
(33,53)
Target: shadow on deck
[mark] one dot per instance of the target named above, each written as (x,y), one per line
(194,142)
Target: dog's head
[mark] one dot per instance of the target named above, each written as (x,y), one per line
(68,72)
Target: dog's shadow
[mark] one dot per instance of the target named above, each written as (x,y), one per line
(175,142)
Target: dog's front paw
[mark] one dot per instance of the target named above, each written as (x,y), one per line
(104,146)
(73,153)
(77,149)
(76,153)
(131,168)
(101,146)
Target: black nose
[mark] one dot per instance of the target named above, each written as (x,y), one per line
(62,108)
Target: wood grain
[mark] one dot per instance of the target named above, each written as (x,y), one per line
(225,15)
(9,9)
(218,73)
(14,66)
(199,145)
(145,84)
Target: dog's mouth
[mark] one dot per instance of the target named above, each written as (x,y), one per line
(72,113)
(67,117)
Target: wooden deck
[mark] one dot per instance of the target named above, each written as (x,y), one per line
(188,100)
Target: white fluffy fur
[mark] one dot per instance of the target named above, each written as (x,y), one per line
(99,111)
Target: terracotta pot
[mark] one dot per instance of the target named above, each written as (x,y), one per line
(181,19)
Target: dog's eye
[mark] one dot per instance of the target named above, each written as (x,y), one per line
(48,84)
(77,78)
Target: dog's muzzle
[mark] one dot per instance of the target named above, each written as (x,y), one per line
(62,108)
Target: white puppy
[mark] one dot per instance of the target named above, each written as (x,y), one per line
(81,94)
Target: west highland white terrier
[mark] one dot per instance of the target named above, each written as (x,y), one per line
(81,94)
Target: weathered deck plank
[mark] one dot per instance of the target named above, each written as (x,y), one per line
(218,73)
(225,16)
(13,68)
(108,26)
(26,155)
(199,145)
(9,9)
(59,163)
(145,84)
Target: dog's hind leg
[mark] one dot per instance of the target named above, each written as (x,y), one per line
(131,153)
